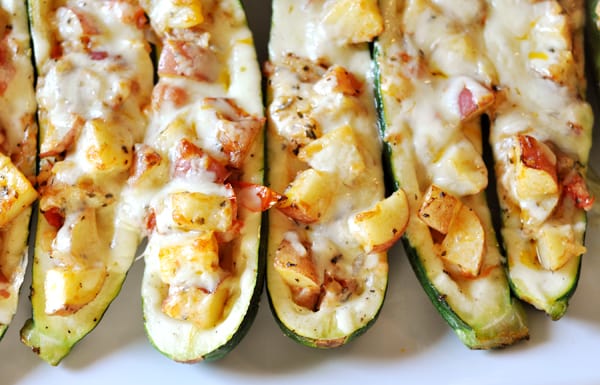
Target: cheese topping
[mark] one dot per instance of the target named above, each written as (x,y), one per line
(324,156)
(201,147)
(526,71)
(542,131)
(18,132)
(92,90)
(436,82)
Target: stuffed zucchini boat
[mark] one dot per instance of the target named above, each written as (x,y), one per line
(94,81)
(433,84)
(327,266)
(541,137)
(18,148)
(196,186)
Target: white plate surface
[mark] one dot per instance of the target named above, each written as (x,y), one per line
(409,344)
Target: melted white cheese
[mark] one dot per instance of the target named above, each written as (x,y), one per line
(17,111)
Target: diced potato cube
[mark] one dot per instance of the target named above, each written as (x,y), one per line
(182,13)
(308,196)
(148,167)
(199,211)
(16,192)
(236,128)
(438,209)
(177,130)
(336,152)
(536,169)
(399,86)
(460,169)
(550,45)
(191,261)
(463,247)
(107,148)
(293,262)
(336,290)
(556,245)
(338,79)
(379,227)
(353,21)
(535,184)
(202,308)
(77,243)
(68,290)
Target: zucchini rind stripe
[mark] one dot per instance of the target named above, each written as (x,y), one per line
(434,83)
(541,138)
(326,263)
(592,35)
(94,80)
(18,137)
(196,185)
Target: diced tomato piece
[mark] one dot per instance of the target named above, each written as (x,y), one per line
(98,55)
(536,155)
(576,188)
(190,60)
(256,197)
(139,18)
(150,221)
(229,235)
(163,92)
(54,216)
(191,158)
(466,103)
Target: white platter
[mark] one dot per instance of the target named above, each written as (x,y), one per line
(409,344)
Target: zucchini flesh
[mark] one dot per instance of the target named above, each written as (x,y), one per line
(307,42)
(201,313)
(410,79)
(18,149)
(83,247)
(550,109)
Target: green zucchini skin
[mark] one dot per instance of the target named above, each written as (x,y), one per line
(52,340)
(593,39)
(503,326)
(319,343)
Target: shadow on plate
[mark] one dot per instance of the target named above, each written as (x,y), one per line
(407,325)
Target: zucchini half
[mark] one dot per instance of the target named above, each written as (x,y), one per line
(430,139)
(94,80)
(197,185)
(17,153)
(544,119)
(326,272)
